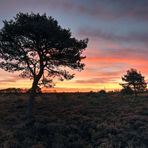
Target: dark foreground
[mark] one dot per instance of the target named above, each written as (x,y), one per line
(75,121)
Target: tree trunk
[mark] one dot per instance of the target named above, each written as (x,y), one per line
(33,92)
(31,99)
(135,91)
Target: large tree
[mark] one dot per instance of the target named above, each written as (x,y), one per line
(40,48)
(135,81)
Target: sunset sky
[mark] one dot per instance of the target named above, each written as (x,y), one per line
(118,39)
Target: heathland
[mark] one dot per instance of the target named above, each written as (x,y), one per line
(74,120)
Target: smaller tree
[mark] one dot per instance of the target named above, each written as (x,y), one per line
(135,81)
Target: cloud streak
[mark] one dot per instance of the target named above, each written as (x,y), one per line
(110,36)
(104,77)
(132,9)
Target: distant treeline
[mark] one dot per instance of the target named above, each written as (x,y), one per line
(17,90)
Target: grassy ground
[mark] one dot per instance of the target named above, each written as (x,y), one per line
(75,121)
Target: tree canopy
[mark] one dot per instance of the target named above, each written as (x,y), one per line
(135,81)
(34,43)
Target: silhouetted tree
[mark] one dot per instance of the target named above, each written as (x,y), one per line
(135,81)
(36,45)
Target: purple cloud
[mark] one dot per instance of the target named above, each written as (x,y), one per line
(135,9)
(130,37)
